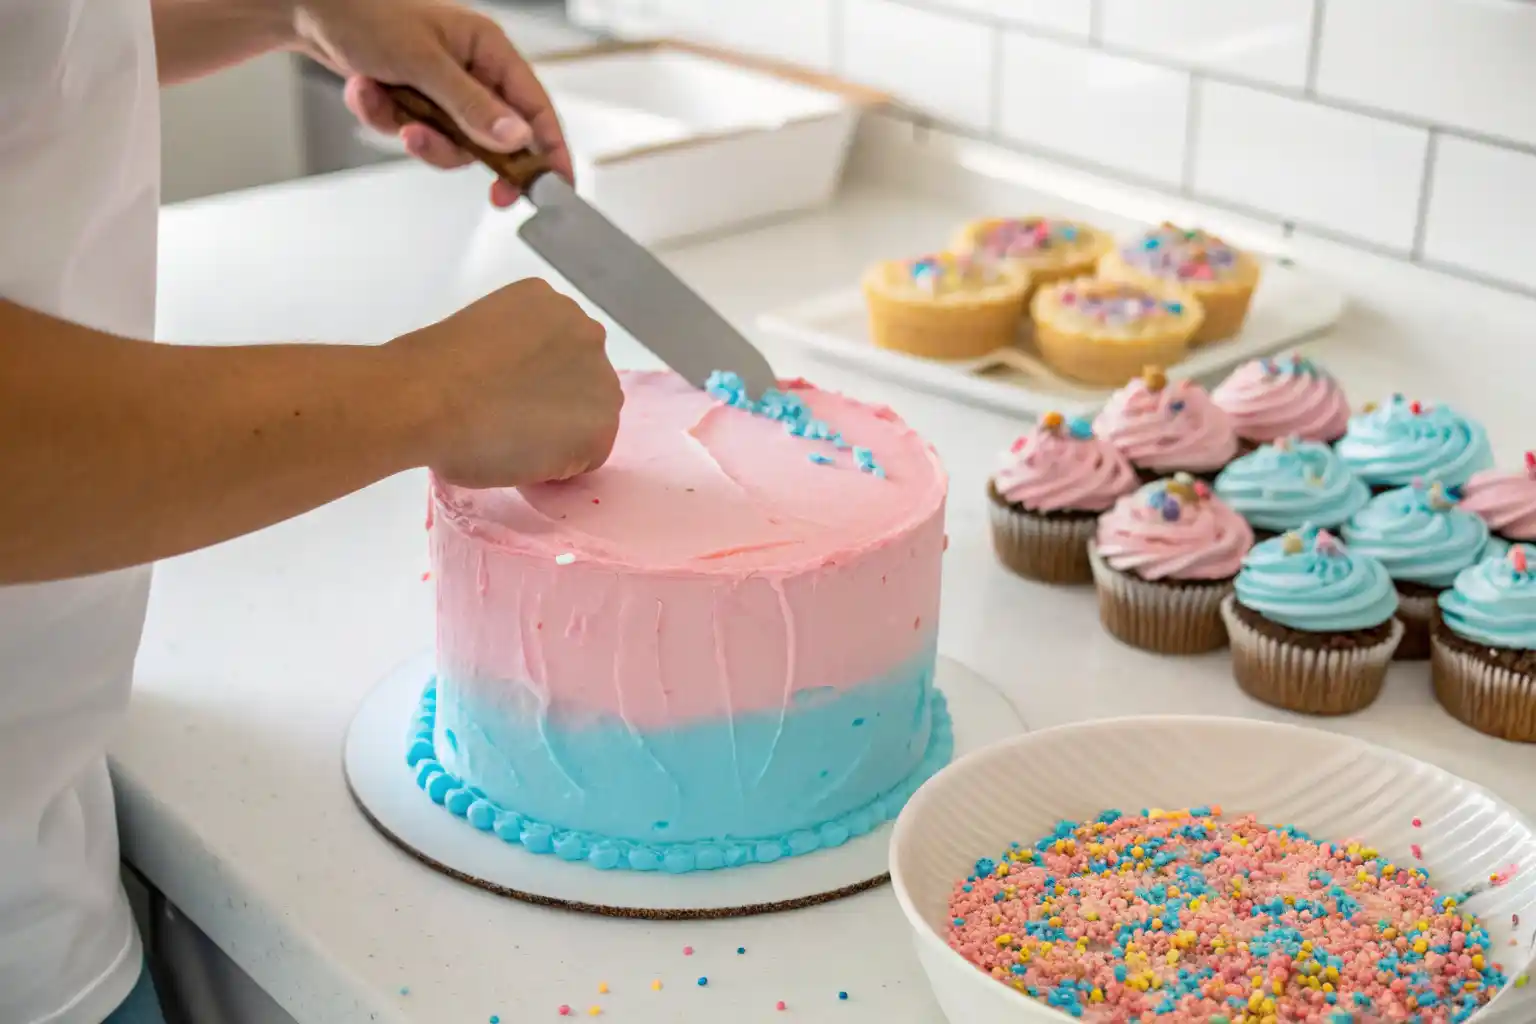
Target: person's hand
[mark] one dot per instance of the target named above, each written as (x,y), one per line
(461,59)
(517,387)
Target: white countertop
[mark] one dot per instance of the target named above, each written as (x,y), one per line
(257,652)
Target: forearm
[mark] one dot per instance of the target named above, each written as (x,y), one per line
(198,37)
(118,452)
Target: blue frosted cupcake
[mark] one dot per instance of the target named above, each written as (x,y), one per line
(1389,445)
(1483,662)
(1424,540)
(1290,483)
(1312,624)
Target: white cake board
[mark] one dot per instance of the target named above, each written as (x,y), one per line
(386,791)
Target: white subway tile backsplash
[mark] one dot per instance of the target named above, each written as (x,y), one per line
(940,64)
(1482,210)
(1336,170)
(1463,63)
(1068,17)
(797,31)
(1122,114)
(1262,40)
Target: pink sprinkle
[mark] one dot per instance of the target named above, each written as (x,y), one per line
(565,1011)
(1417,851)
(780,1005)
(426,576)
(687,951)
(1417,823)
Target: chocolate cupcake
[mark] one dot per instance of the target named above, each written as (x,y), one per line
(1312,624)
(1167,427)
(1291,484)
(1424,540)
(1163,559)
(1047,495)
(1392,444)
(1506,501)
(1483,663)
(1289,396)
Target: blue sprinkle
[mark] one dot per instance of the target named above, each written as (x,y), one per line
(405,990)
(495,1019)
(1080,428)
(1176,308)
(1176,406)
(820,459)
(842,995)
(703,982)
(740,950)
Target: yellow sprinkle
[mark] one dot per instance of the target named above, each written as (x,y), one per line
(1091,915)
(1423,925)
(1096,996)
(1002,871)
(1331,973)
(1477,962)
(1137,851)
(1054,922)
(1004,939)
(1157,924)
(1172,957)
(1277,986)
(594,1011)
(1520,981)
(1420,946)
(656,985)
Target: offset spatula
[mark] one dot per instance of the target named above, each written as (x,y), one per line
(613,270)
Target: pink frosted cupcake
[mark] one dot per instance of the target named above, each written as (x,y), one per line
(1506,501)
(1164,559)
(1166,427)
(1047,495)
(1268,399)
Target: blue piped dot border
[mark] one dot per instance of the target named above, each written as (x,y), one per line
(606,853)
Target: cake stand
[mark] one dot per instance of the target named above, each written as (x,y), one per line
(385,790)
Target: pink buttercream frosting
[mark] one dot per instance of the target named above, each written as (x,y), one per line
(1268,399)
(1061,467)
(1168,426)
(1506,500)
(709,568)
(1174,530)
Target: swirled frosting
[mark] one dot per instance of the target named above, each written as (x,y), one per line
(1290,397)
(1506,501)
(1494,601)
(1174,530)
(1060,466)
(1307,580)
(1167,426)
(1390,444)
(1418,533)
(1289,483)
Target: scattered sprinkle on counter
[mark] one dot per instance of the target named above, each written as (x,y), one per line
(565,1011)
(1180,916)
(843,996)
(703,982)
(687,951)
(656,985)
(593,1011)
(495,1019)
(405,989)
(1417,823)
(780,1005)
(602,988)
(741,950)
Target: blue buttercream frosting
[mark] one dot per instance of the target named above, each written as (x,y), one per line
(804,768)
(1419,534)
(1308,580)
(1288,484)
(1392,444)
(1494,601)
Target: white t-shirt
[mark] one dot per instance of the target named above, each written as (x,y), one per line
(79,198)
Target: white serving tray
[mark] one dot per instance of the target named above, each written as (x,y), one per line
(1290,306)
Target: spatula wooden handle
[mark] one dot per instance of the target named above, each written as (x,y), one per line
(519,169)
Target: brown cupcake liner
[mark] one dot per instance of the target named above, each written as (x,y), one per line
(1311,680)
(1051,550)
(1164,618)
(1494,700)
(1417,613)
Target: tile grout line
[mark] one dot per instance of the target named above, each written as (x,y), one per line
(1315,48)
(1192,133)
(1426,194)
(1224,78)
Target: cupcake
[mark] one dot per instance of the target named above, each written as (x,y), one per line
(1289,397)
(1220,277)
(1290,484)
(1312,624)
(1506,501)
(1104,332)
(1390,445)
(1047,496)
(945,306)
(1047,249)
(1163,559)
(1166,427)
(1424,540)
(1483,664)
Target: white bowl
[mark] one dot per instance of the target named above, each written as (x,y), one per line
(1332,786)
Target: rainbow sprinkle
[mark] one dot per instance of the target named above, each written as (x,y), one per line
(1179,916)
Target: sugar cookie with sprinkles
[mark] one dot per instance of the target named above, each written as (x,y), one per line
(1184,916)
(946,305)
(1107,332)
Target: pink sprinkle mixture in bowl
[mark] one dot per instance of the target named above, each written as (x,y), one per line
(1179,916)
